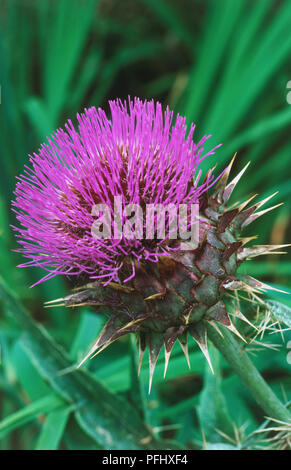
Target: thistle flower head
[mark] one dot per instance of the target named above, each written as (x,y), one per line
(151,286)
(138,155)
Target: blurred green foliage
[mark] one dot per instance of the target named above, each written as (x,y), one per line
(225,65)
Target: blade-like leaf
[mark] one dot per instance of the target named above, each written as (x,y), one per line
(212,409)
(281,312)
(28,413)
(53,429)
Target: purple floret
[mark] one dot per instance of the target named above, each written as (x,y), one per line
(138,155)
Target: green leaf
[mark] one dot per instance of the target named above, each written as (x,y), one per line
(39,117)
(28,377)
(241,41)
(76,439)
(256,70)
(136,391)
(241,410)
(283,296)
(28,413)
(89,327)
(63,51)
(259,130)
(266,268)
(281,312)
(221,18)
(212,409)
(53,429)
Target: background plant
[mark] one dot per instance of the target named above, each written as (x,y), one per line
(223,64)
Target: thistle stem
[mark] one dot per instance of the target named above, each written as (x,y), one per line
(249,375)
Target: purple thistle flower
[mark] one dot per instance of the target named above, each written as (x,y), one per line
(141,158)
(138,155)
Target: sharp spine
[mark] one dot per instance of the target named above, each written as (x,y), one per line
(142,348)
(259,250)
(241,206)
(221,185)
(199,334)
(155,342)
(183,340)
(230,187)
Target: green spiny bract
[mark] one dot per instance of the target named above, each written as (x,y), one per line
(176,297)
